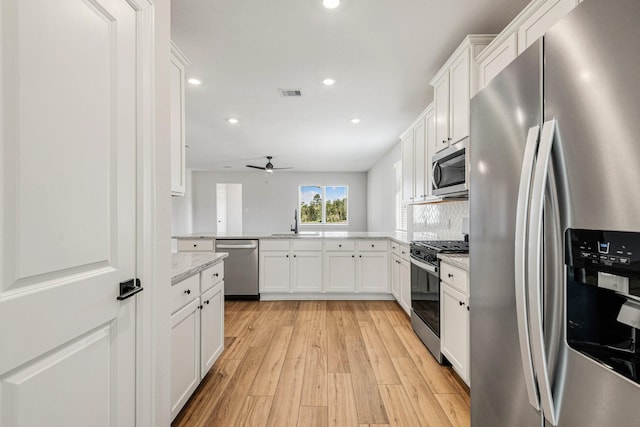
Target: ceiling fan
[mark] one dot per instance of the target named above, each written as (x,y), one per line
(268,168)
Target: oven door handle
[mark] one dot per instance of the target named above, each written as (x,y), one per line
(424,266)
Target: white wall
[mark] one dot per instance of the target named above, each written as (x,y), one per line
(268,207)
(381,192)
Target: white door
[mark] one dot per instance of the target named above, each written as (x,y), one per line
(221,208)
(67,221)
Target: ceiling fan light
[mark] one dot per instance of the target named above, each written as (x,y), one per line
(269,171)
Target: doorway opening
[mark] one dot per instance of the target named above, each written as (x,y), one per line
(229,209)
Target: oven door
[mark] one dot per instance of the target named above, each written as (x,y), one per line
(425,293)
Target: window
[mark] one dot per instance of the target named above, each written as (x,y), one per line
(401,208)
(323,204)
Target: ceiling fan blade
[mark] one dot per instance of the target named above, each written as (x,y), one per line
(290,167)
(255,167)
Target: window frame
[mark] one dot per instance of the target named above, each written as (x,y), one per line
(324,206)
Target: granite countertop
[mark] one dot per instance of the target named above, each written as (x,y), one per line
(398,236)
(457,260)
(186,264)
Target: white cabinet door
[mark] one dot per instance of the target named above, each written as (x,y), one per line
(69,136)
(395,278)
(306,271)
(211,327)
(185,355)
(441,107)
(431,148)
(339,272)
(407,168)
(460,96)
(454,331)
(405,285)
(541,20)
(420,159)
(498,60)
(373,272)
(274,271)
(176,120)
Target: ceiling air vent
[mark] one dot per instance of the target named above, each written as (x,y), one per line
(290,92)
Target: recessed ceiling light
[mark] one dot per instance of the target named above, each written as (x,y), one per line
(331,4)
(233,120)
(328,81)
(194,82)
(355,121)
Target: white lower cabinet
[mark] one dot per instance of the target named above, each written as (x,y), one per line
(185,355)
(211,327)
(395,277)
(339,271)
(405,285)
(454,329)
(373,272)
(197,332)
(306,271)
(275,271)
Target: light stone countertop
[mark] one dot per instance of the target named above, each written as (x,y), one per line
(457,260)
(186,264)
(398,236)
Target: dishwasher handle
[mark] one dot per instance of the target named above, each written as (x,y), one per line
(236,246)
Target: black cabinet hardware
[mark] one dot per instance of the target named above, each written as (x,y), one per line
(129,289)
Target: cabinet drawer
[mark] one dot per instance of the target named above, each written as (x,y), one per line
(372,245)
(195,244)
(395,248)
(339,245)
(306,245)
(455,277)
(211,276)
(274,245)
(182,293)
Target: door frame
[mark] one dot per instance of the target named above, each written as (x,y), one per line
(153,207)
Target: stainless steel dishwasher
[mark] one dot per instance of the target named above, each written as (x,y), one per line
(240,268)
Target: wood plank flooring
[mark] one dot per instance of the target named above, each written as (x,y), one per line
(324,363)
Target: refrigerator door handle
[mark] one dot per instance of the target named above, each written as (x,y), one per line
(534,269)
(524,191)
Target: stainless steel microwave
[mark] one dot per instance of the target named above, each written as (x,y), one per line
(450,170)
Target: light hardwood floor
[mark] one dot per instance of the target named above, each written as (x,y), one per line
(325,363)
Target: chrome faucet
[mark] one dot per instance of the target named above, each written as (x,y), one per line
(295,218)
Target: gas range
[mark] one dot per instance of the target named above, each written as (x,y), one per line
(428,250)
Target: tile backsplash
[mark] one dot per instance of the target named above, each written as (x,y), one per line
(442,221)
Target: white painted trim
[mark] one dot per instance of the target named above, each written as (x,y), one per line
(334,296)
(175,50)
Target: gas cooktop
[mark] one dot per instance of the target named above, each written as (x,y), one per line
(443,246)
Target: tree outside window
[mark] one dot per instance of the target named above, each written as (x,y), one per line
(323,204)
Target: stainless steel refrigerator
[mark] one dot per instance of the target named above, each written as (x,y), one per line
(555,217)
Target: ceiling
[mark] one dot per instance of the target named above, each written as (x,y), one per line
(382,54)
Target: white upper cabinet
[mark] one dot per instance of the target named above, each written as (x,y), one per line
(441,99)
(418,144)
(531,24)
(419,160)
(548,13)
(453,87)
(407,168)
(177,65)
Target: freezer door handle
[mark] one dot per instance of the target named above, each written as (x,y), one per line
(535,267)
(524,193)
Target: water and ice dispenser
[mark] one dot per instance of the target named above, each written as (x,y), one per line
(603,297)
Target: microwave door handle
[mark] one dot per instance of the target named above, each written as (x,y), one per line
(534,269)
(524,190)
(437,175)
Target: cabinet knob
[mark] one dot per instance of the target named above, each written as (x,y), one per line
(200,307)
(353,256)
(450,275)
(187,292)
(206,302)
(339,246)
(287,256)
(195,246)
(360,256)
(403,252)
(468,308)
(461,303)
(294,256)
(373,246)
(449,139)
(215,274)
